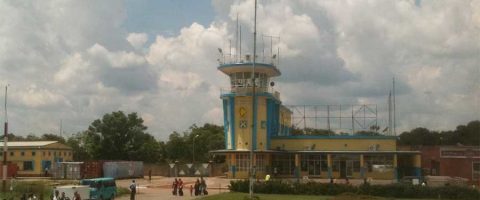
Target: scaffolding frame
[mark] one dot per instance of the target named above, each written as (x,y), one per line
(336,118)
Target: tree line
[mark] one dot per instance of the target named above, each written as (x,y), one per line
(120,136)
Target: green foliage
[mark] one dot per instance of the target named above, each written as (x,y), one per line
(392,190)
(76,142)
(41,189)
(465,134)
(311,131)
(118,136)
(208,137)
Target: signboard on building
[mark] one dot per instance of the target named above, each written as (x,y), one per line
(460,153)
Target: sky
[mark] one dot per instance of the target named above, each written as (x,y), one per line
(70,62)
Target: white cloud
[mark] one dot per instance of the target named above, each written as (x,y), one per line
(137,40)
(70,60)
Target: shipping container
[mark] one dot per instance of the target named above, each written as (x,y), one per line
(11,170)
(67,170)
(92,169)
(123,169)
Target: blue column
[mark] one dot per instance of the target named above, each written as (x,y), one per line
(232,121)
(362,172)
(226,124)
(418,172)
(269,121)
(395,173)
(233,171)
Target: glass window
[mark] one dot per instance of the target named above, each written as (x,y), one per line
(22,153)
(28,165)
(33,153)
(260,164)
(49,153)
(242,162)
(476,171)
(12,153)
(379,163)
(44,153)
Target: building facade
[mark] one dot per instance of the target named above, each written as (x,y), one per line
(278,152)
(34,157)
(454,161)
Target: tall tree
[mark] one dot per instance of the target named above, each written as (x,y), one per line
(118,136)
(53,137)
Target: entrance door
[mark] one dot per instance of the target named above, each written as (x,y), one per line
(349,168)
(343,169)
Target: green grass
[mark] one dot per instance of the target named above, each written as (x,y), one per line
(122,191)
(244,196)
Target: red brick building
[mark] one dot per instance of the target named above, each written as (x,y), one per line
(455,161)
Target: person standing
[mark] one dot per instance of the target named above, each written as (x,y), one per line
(197,187)
(76,196)
(133,190)
(180,187)
(63,196)
(150,175)
(203,186)
(191,190)
(56,195)
(174,187)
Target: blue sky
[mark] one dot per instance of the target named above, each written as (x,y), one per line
(166,16)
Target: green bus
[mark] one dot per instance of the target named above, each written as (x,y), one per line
(101,188)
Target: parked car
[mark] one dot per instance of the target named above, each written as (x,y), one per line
(101,188)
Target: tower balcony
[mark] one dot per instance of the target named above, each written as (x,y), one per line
(247,91)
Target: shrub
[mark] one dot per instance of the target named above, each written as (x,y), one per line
(392,190)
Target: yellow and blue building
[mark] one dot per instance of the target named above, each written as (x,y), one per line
(278,152)
(34,157)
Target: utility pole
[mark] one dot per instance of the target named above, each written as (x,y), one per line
(254,106)
(5,147)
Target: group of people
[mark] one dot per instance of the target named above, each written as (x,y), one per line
(57,196)
(177,187)
(28,197)
(200,187)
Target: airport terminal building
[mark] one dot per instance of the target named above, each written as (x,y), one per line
(282,154)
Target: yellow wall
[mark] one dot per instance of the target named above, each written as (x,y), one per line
(327,144)
(243,135)
(41,154)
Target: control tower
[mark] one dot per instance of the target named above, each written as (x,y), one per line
(273,119)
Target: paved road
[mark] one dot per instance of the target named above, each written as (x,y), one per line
(160,187)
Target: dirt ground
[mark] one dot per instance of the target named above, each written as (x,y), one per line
(161,187)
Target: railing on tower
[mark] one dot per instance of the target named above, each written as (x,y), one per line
(226,59)
(247,91)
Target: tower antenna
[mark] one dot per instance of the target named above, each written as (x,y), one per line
(394,111)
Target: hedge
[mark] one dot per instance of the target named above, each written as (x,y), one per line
(393,190)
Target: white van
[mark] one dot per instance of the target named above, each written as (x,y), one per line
(69,190)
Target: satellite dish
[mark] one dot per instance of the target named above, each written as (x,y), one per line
(272,83)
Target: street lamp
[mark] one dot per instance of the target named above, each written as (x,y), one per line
(193,160)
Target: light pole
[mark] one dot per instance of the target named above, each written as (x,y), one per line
(5,146)
(193,151)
